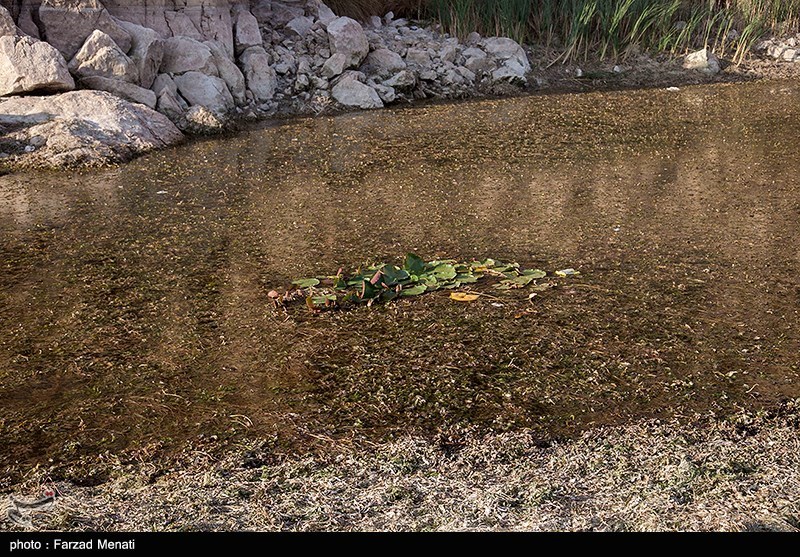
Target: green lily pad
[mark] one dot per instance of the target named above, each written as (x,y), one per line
(324,300)
(413,290)
(535,273)
(306,282)
(413,264)
(393,275)
(445,271)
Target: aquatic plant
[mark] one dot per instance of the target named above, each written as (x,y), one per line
(384,282)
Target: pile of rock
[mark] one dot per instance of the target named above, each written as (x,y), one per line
(202,63)
(320,57)
(785,50)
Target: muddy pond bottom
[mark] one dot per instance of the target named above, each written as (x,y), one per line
(134,316)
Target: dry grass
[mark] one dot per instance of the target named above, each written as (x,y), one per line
(742,474)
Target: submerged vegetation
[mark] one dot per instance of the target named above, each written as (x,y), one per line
(612,28)
(382,282)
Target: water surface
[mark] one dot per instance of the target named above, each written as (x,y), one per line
(133,307)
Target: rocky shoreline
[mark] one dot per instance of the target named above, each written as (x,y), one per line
(89,82)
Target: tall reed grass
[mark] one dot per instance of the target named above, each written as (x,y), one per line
(611,28)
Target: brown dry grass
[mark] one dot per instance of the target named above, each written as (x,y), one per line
(741,474)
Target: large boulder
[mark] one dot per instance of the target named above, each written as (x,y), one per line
(67,23)
(28,65)
(169,104)
(100,56)
(703,61)
(260,76)
(383,63)
(213,19)
(322,12)
(164,82)
(514,62)
(347,37)
(334,65)
(205,90)
(123,89)
(300,26)
(198,120)
(181,25)
(228,71)
(246,31)
(147,50)
(7,25)
(349,91)
(182,54)
(86,128)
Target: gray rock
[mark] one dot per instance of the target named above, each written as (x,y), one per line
(346,37)
(387,94)
(209,91)
(448,53)
(383,63)
(164,82)
(25,20)
(228,71)
(283,13)
(123,89)
(375,22)
(100,56)
(300,26)
(28,65)
(465,73)
(301,83)
(418,57)
(181,25)
(319,82)
(334,65)
(480,65)
(473,38)
(7,25)
(259,76)
(351,92)
(67,23)
(246,32)
(402,81)
(170,106)
(147,50)
(474,52)
(182,54)
(324,14)
(703,61)
(199,120)
(509,74)
(509,51)
(88,128)
(428,74)
(304,66)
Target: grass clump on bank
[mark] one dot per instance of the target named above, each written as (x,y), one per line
(612,28)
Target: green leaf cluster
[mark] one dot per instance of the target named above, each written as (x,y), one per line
(383,282)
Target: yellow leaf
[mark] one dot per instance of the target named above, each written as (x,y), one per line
(463,297)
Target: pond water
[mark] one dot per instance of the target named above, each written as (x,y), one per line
(134,315)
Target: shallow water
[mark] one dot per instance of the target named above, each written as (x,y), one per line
(133,303)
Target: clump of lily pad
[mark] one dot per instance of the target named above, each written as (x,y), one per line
(384,282)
